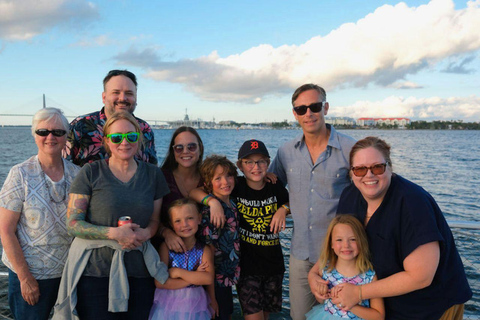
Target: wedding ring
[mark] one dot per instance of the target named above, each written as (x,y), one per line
(340,305)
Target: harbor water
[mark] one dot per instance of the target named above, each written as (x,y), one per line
(445,163)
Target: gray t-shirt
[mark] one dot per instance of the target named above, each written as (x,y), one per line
(111,199)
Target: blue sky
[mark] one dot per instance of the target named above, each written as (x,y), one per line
(242,60)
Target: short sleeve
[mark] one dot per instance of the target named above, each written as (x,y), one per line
(82,184)
(418,225)
(161,189)
(277,168)
(12,195)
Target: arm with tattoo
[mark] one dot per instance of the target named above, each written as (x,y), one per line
(76,224)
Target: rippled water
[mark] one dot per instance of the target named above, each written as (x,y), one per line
(445,163)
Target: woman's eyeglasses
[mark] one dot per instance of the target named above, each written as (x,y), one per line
(376,169)
(192,147)
(46,132)
(314,107)
(250,163)
(132,137)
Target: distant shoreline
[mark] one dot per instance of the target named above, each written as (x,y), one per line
(297,128)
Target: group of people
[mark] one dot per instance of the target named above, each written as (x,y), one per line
(94,229)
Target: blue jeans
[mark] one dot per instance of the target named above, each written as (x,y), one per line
(21,309)
(92,299)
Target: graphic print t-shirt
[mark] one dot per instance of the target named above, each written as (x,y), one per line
(260,248)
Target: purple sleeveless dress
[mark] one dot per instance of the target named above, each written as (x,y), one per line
(190,303)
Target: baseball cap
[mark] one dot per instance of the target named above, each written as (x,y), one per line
(252,147)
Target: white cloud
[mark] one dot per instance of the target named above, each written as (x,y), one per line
(405,85)
(432,108)
(25,19)
(99,41)
(382,48)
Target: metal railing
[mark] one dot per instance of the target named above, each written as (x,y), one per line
(467,239)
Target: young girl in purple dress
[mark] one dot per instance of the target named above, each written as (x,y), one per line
(182,297)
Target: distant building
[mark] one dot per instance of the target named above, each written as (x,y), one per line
(373,122)
(340,121)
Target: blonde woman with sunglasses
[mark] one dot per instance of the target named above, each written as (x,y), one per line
(33,207)
(104,192)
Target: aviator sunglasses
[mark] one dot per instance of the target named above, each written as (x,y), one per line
(192,147)
(314,107)
(376,169)
(132,137)
(55,132)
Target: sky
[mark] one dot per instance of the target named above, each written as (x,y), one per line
(242,60)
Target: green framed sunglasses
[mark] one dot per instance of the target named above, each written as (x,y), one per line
(132,137)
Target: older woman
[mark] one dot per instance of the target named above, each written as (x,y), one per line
(104,191)
(421,275)
(181,170)
(33,207)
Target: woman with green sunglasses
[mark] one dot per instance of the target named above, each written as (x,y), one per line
(103,192)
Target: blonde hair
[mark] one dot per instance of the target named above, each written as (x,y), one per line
(328,258)
(182,202)
(121,116)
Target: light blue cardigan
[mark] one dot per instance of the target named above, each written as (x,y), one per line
(118,293)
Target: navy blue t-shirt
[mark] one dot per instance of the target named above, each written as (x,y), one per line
(408,218)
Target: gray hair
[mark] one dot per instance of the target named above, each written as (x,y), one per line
(47,114)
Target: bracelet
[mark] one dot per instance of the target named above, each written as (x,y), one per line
(286,208)
(205,200)
(359,294)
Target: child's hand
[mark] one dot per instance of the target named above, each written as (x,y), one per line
(203,266)
(217,216)
(174,273)
(278,220)
(271,177)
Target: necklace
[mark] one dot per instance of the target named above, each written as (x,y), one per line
(48,188)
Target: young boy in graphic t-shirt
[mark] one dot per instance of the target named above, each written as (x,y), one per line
(262,208)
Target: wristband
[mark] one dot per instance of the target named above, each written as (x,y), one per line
(205,200)
(359,294)
(286,208)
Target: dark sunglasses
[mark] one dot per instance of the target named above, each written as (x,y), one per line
(376,169)
(46,132)
(132,137)
(314,107)
(192,147)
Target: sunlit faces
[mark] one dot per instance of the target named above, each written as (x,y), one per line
(185,220)
(50,144)
(311,122)
(222,183)
(186,158)
(254,167)
(373,187)
(120,95)
(344,243)
(124,150)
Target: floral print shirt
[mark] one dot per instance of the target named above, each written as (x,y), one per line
(226,242)
(84,141)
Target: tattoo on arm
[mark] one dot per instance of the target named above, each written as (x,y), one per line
(76,214)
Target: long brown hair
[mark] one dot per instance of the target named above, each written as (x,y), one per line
(328,258)
(170,163)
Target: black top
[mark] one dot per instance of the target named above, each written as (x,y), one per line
(407,218)
(260,248)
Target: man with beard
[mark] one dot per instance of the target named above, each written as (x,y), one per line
(84,143)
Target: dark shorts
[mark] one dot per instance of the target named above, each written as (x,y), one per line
(260,293)
(224,298)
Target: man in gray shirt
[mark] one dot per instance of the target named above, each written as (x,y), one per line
(315,166)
